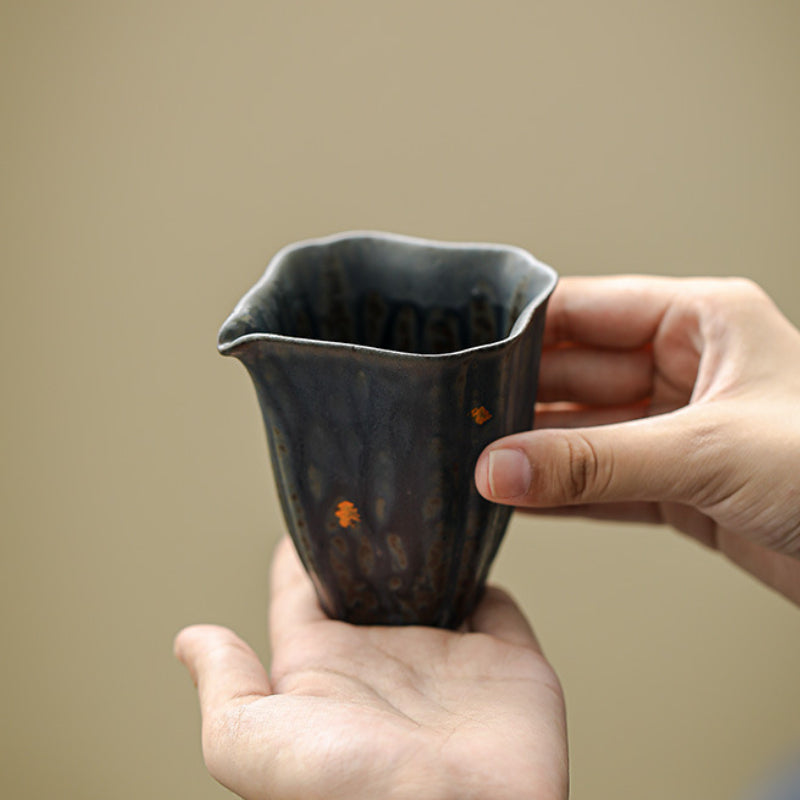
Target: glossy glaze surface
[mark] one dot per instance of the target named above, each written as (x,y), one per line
(383,366)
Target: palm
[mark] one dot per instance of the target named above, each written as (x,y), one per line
(400,704)
(401,712)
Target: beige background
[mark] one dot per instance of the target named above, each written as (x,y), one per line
(153,155)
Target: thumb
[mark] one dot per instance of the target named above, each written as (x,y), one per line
(659,458)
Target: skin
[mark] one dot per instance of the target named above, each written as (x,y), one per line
(376,712)
(668,401)
(662,400)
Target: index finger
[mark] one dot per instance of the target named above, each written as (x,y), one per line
(617,312)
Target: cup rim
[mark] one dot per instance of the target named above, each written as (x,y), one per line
(226,347)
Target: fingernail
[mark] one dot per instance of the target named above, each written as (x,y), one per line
(509,473)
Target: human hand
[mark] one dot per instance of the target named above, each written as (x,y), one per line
(377,712)
(667,400)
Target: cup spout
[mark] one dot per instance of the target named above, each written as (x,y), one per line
(239,333)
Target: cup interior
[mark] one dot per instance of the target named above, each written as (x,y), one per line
(394,294)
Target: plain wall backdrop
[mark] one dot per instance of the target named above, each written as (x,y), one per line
(154,155)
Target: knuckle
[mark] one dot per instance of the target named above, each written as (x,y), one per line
(787,541)
(744,298)
(745,288)
(728,294)
(725,304)
(580,479)
(710,478)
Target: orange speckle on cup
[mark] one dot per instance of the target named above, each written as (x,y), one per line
(480,415)
(347,514)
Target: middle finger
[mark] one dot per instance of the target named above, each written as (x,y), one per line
(595,376)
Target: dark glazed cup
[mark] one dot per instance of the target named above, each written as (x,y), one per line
(383,366)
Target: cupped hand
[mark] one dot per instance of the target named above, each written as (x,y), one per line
(379,712)
(667,400)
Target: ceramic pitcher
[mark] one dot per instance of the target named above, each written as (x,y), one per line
(383,366)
